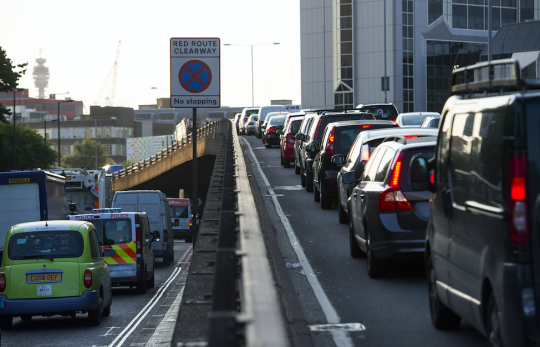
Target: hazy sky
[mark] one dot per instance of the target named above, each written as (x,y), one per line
(79,40)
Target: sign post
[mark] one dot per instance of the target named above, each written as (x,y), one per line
(195,83)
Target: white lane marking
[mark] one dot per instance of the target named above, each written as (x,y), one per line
(165,329)
(297,187)
(146,309)
(109,332)
(341,338)
(337,327)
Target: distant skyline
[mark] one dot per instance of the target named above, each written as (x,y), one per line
(80,41)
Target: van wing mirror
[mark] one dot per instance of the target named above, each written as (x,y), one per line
(300,136)
(419,174)
(338,159)
(349,177)
(155,236)
(109,252)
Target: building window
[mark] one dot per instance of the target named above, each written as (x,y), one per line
(88,132)
(143,116)
(408,55)
(166,116)
(65,133)
(108,149)
(474,14)
(442,57)
(65,150)
(78,133)
(343,54)
(435,10)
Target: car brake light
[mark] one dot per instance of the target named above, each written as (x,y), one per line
(190,224)
(165,235)
(519,229)
(330,145)
(250,122)
(366,126)
(411,137)
(138,238)
(397,170)
(271,130)
(87,278)
(2,282)
(393,199)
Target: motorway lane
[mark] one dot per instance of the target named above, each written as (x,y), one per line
(394,310)
(65,331)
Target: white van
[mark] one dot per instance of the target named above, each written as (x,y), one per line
(156,206)
(181,218)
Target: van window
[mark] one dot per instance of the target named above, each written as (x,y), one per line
(94,249)
(145,228)
(113,231)
(442,149)
(460,151)
(179,212)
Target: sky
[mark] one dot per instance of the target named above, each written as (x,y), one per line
(80,40)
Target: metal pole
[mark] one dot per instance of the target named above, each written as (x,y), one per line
(194,208)
(45,146)
(385,86)
(14,132)
(252,88)
(58,114)
(324,53)
(490,26)
(95,136)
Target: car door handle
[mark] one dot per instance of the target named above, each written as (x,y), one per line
(362,196)
(354,196)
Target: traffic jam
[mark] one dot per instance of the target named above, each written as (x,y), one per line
(452,194)
(57,263)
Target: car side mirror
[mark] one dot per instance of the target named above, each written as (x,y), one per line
(349,177)
(300,136)
(338,159)
(155,236)
(419,174)
(311,147)
(72,207)
(109,252)
(279,132)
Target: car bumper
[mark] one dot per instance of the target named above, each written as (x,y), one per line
(86,302)
(388,240)
(181,232)
(272,139)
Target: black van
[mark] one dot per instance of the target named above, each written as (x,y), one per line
(483,238)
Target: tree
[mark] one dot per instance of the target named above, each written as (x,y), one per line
(128,163)
(9,79)
(84,155)
(31,150)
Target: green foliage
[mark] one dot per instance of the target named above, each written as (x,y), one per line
(31,151)
(84,155)
(9,78)
(128,163)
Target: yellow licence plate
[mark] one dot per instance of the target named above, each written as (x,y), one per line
(36,278)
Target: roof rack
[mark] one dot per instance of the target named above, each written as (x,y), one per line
(338,110)
(403,138)
(496,76)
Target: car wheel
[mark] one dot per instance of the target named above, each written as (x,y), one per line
(281,157)
(441,316)
(107,311)
(171,257)
(356,251)
(6,322)
(141,287)
(376,268)
(342,216)
(316,196)
(302,180)
(296,168)
(286,164)
(326,203)
(94,317)
(151,283)
(493,326)
(189,239)
(166,260)
(26,317)
(309,185)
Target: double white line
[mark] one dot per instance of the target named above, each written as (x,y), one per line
(128,330)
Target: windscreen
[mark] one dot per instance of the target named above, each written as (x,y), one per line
(46,245)
(276,120)
(381,112)
(413,120)
(113,231)
(179,211)
(434,123)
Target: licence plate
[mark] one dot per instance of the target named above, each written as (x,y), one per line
(36,278)
(44,290)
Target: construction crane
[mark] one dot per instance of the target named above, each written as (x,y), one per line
(109,99)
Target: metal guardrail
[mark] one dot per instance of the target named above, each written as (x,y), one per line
(209,129)
(241,262)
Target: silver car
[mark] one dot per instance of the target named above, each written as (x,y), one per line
(413,119)
(249,127)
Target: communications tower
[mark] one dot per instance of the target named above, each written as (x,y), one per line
(41,76)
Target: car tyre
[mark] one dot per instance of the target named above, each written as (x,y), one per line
(26,317)
(316,196)
(302,180)
(281,157)
(151,283)
(141,287)
(107,311)
(171,257)
(326,202)
(296,168)
(286,164)
(6,322)
(166,260)
(94,316)
(356,251)
(342,216)
(376,268)
(441,316)
(309,185)
(493,325)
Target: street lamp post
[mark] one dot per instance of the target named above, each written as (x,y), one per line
(252,85)
(58,114)
(14,131)
(45,143)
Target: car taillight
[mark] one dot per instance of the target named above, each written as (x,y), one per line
(165,235)
(519,223)
(411,137)
(250,122)
(190,224)
(330,146)
(393,198)
(138,239)
(366,126)
(2,282)
(87,278)
(271,129)
(396,172)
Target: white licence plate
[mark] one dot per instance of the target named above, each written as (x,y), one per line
(44,290)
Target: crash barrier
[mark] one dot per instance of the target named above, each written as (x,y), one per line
(204,131)
(242,269)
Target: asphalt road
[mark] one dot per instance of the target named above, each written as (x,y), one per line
(65,331)
(394,310)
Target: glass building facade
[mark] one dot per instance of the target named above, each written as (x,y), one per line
(343,54)
(408,55)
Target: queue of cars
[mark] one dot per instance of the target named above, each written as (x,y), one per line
(459,192)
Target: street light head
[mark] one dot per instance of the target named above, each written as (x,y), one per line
(226,44)
(276,43)
(153,88)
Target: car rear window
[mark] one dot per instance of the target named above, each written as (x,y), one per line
(179,212)
(276,120)
(295,126)
(46,245)
(413,120)
(409,155)
(381,112)
(113,231)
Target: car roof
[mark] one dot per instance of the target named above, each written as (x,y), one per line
(362,121)
(48,225)
(385,132)
(412,143)
(431,114)
(340,114)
